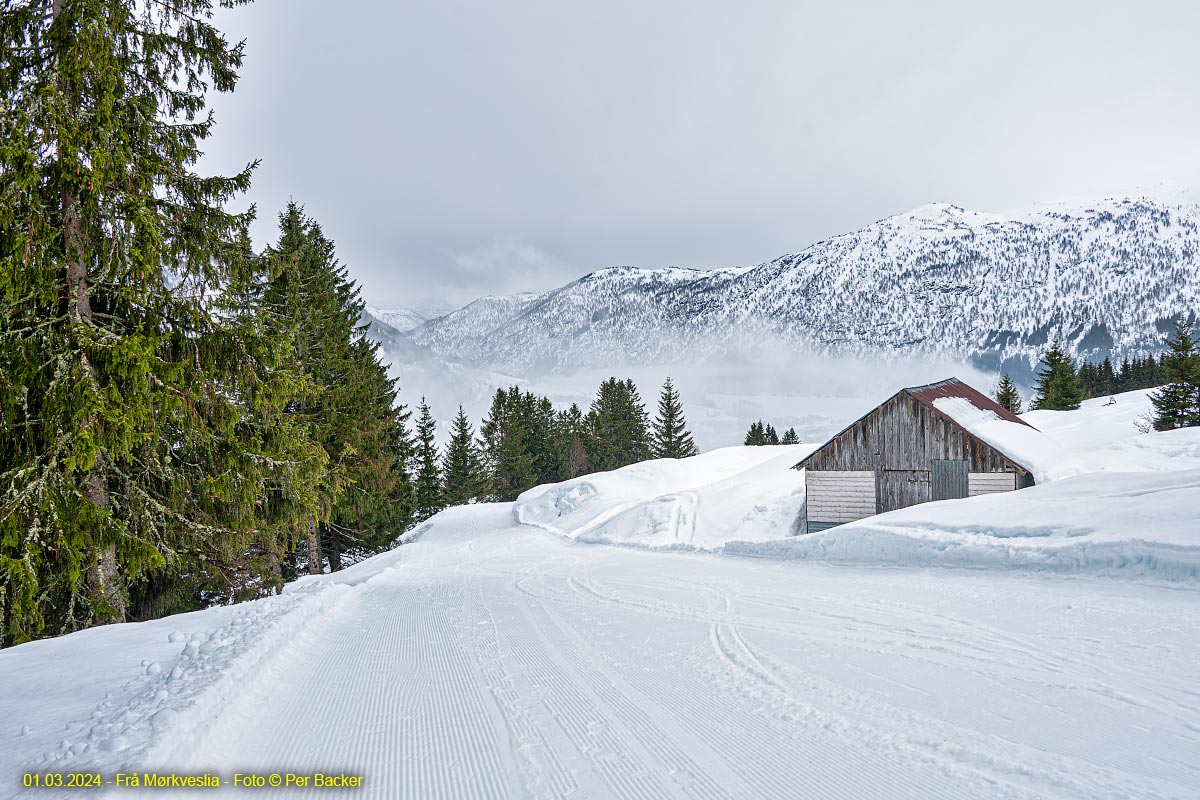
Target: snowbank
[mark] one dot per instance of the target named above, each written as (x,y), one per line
(745,493)
(1131,524)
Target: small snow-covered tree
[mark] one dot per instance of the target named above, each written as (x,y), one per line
(790,437)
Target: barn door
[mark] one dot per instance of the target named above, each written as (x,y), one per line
(949,479)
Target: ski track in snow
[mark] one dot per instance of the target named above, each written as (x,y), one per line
(492,659)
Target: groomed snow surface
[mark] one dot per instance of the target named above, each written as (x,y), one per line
(511,651)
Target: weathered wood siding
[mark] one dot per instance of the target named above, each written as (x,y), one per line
(839,496)
(991,482)
(897,442)
(899,488)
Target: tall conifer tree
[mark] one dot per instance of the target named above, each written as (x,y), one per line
(618,426)
(510,459)
(570,434)
(317,304)
(129,400)
(464,476)
(429,498)
(671,437)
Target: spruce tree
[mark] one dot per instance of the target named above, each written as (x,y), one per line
(510,460)
(130,406)
(537,418)
(1108,378)
(618,426)
(1058,383)
(464,476)
(404,488)
(569,434)
(1007,394)
(757,435)
(770,435)
(670,437)
(790,437)
(428,483)
(349,399)
(1177,403)
(371,509)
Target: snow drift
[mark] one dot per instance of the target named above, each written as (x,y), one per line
(747,493)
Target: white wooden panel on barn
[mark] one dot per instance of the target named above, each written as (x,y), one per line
(991,482)
(839,495)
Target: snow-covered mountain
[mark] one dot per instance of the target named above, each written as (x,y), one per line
(938,280)
(401,319)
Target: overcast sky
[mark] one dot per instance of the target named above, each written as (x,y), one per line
(455,149)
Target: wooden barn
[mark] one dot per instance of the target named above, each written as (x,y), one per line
(912,449)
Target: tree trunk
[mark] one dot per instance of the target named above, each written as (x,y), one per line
(275,570)
(314,551)
(105,584)
(335,554)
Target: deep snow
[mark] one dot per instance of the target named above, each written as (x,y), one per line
(492,658)
(699,503)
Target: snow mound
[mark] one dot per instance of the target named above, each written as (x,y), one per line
(744,493)
(1128,524)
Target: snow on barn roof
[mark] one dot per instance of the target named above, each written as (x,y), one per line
(981,416)
(929,394)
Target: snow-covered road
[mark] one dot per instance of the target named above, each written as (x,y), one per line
(495,660)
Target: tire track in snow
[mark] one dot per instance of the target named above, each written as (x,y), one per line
(985,760)
(772,771)
(1008,663)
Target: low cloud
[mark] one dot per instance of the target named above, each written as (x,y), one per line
(503,266)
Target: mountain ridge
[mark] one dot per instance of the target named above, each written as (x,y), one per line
(993,289)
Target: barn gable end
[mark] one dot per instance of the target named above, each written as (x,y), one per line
(904,452)
(905,433)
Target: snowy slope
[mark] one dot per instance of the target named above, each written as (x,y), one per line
(1103,276)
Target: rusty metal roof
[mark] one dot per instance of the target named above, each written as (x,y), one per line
(953,387)
(925,395)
